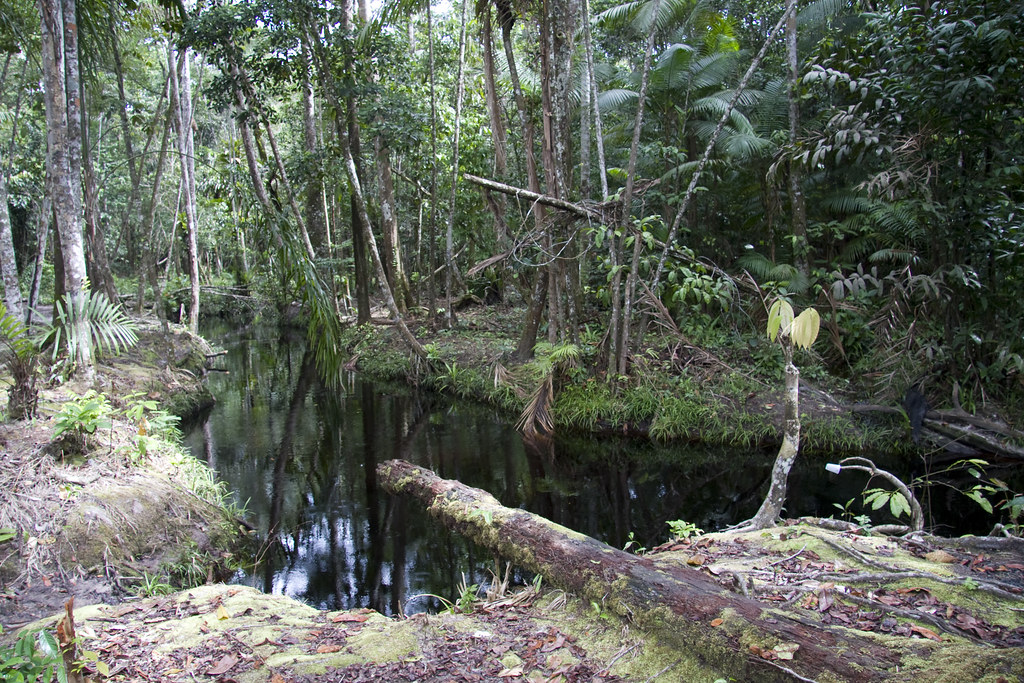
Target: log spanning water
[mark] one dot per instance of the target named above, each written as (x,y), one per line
(685,608)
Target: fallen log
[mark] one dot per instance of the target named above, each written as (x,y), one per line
(713,628)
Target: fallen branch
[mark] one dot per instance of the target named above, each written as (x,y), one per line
(546,200)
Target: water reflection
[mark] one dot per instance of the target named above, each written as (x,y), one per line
(304,456)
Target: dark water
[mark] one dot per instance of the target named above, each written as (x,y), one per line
(302,457)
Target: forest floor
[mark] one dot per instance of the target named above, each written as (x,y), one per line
(84,528)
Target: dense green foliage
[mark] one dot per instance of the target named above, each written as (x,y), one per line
(908,150)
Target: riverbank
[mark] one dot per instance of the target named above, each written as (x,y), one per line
(677,391)
(98,499)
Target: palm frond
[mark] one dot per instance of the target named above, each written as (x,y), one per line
(536,419)
(618,98)
(109,328)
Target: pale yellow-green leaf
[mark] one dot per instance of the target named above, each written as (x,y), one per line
(805,328)
(221,612)
(780,318)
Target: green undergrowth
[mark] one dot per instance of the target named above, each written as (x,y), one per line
(660,403)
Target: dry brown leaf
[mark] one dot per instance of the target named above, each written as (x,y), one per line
(514,672)
(328,649)
(223,665)
(926,632)
(940,556)
(348,616)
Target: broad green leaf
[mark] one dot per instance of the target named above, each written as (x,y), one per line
(898,505)
(805,328)
(977,498)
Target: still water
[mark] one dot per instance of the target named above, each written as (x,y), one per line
(302,457)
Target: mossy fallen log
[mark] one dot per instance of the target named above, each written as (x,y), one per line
(717,629)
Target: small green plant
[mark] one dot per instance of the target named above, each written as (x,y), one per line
(466,602)
(79,419)
(897,502)
(33,657)
(633,545)
(152,585)
(683,530)
(153,425)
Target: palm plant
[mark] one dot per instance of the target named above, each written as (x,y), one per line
(19,354)
(108,326)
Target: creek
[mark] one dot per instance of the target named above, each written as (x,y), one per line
(301,457)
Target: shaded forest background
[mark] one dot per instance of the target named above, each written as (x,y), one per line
(694,161)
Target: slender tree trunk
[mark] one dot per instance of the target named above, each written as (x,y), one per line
(96,261)
(498,136)
(43,221)
(449,244)
(315,219)
(126,135)
(63,132)
(8,262)
(692,187)
(393,264)
(181,104)
(535,312)
(771,508)
(797,203)
(150,259)
(432,231)
(622,343)
(357,195)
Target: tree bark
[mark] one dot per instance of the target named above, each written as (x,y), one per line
(63,161)
(771,508)
(547,200)
(680,603)
(8,262)
(181,104)
(449,243)
(621,344)
(797,204)
(96,261)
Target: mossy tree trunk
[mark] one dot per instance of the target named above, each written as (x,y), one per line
(687,609)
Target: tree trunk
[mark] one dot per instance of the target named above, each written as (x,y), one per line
(96,261)
(8,262)
(498,136)
(691,613)
(63,135)
(42,234)
(797,205)
(771,508)
(622,343)
(181,104)
(528,337)
(449,242)
(316,223)
(393,265)
(692,187)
